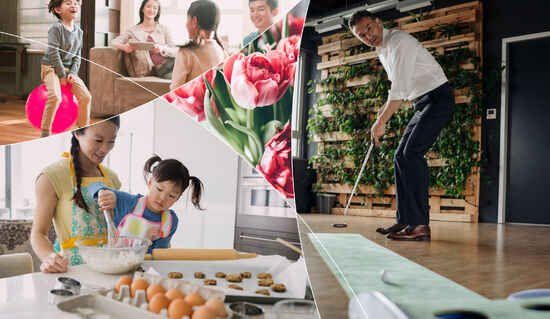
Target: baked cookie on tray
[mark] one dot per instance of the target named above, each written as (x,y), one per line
(265,282)
(175,275)
(199,275)
(233,286)
(234,278)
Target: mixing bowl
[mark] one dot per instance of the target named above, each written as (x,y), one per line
(125,255)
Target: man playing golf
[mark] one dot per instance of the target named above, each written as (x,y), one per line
(415,76)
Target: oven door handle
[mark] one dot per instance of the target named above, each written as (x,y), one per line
(265,239)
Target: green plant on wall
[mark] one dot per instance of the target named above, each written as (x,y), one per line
(353,111)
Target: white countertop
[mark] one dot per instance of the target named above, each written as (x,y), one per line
(26,296)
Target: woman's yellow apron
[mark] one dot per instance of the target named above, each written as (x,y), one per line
(84,224)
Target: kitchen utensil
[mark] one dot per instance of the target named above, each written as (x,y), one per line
(104,258)
(198,254)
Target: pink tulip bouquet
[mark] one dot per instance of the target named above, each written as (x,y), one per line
(247,101)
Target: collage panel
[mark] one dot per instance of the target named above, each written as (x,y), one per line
(179,198)
(413,186)
(109,197)
(120,54)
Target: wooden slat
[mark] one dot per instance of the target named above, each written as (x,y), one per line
(462,17)
(368,189)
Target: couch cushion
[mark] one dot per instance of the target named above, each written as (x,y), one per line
(129,94)
(15,235)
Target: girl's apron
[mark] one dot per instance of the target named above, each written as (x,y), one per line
(84,224)
(135,225)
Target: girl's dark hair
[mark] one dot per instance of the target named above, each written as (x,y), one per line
(207,13)
(56,4)
(174,171)
(142,16)
(78,198)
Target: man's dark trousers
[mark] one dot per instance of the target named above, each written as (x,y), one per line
(433,111)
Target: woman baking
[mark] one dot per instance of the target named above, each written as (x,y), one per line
(62,196)
(160,60)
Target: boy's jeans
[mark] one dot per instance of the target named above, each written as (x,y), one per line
(51,80)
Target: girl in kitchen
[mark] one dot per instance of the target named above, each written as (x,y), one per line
(62,196)
(150,216)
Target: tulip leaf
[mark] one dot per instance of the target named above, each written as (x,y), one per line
(233,115)
(285,33)
(215,124)
(256,147)
(270,129)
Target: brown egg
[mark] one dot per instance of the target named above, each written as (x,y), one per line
(174,293)
(124,280)
(138,284)
(179,308)
(158,302)
(194,299)
(153,290)
(217,306)
(203,312)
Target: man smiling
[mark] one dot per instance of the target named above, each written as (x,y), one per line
(262,13)
(415,76)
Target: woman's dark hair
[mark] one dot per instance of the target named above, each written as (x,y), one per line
(174,171)
(141,15)
(207,13)
(56,4)
(357,16)
(78,171)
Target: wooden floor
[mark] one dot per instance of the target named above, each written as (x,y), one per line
(14,126)
(491,259)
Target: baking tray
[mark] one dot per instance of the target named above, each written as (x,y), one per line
(292,274)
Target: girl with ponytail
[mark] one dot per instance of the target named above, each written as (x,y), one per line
(150,216)
(62,196)
(204,50)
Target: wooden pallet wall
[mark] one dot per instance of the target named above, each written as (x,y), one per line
(334,54)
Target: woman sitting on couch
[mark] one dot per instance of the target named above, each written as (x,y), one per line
(205,50)
(160,60)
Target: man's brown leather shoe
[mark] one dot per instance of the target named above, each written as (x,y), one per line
(420,232)
(392,229)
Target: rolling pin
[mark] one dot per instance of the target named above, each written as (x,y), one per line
(198,254)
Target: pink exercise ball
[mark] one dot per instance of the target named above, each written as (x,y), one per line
(64,117)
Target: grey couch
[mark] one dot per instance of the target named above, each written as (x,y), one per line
(113,94)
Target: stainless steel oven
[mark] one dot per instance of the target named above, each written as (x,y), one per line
(263,216)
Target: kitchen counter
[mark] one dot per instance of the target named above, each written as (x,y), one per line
(26,296)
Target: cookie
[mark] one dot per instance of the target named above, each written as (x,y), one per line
(263,292)
(234,278)
(263,275)
(220,274)
(233,286)
(265,282)
(246,274)
(200,275)
(278,287)
(175,275)
(210,282)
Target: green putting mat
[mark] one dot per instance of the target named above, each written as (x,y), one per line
(361,261)
(418,291)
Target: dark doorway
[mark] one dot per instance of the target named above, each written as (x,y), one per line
(528,169)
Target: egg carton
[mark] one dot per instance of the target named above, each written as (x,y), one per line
(112,305)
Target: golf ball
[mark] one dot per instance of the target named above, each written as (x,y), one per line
(386,276)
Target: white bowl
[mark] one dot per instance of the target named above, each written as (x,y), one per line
(126,255)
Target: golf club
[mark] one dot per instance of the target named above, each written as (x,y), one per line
(345,224)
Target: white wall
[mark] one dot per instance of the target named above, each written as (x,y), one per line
(215,164)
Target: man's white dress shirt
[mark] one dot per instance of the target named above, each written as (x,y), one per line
(411,68)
